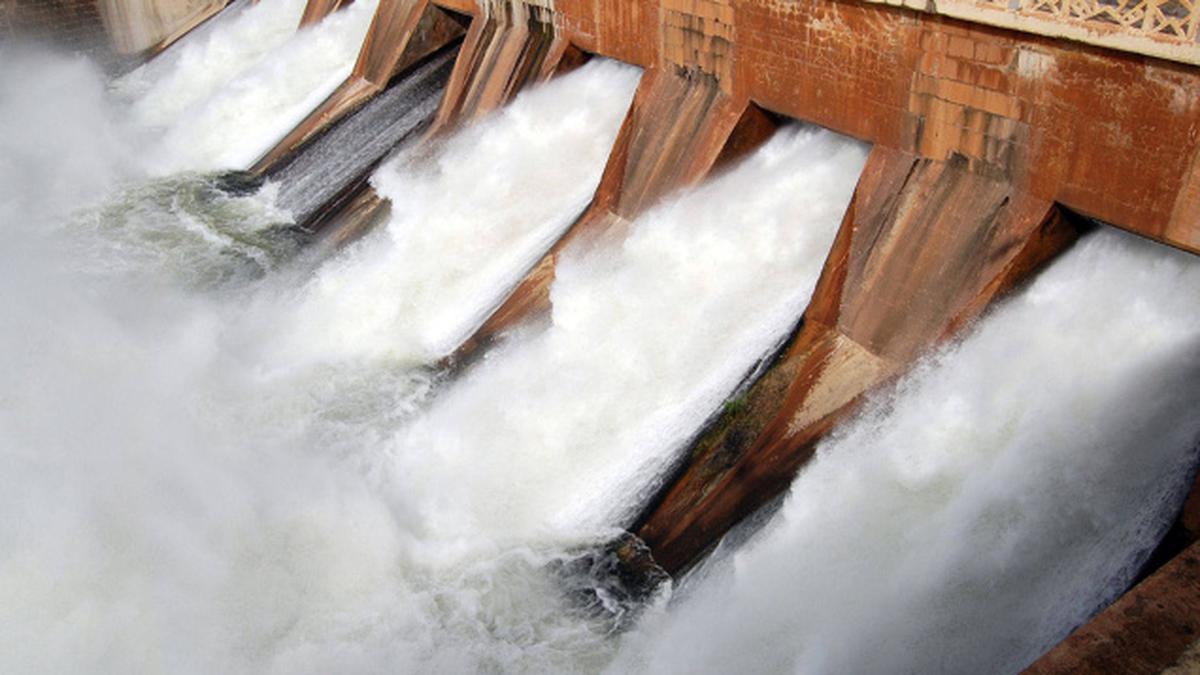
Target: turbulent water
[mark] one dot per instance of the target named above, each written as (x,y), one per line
(208,59)
(971,517)
(212,460)
(345,153)
(224,101)
(588,407)
(468,218)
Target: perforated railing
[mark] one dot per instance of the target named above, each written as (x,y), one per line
(1171,20)
(1167,29)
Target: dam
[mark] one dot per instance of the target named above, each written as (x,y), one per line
(599,336)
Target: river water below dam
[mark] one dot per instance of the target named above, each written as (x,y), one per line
(223,452)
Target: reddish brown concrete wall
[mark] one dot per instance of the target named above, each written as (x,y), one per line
(316,10)
(501,55)
(1109,134)
(978,130)
(111,31)
(925,246)
(149,26)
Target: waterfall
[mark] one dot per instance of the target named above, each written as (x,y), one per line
(207,59)
(467,221)
(1001,493)
(223,102)
(347,151)
(180,493)
(647,337)
(215,461)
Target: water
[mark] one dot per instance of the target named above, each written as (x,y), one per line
(647,336)
(186,228)
(173,502)
(966,521)
(56,108)
(211,461)
(180,494)
(467,221)
(223,102)
(207,59)
(345,153)
(74,149)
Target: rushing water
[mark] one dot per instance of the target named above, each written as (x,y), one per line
(208,59)
(212,461)
(223,102)
(646,338)
(1002,492)
(468,218)
(345,153)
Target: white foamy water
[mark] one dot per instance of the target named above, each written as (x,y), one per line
(67,147)
(60,144)
(176,497)
(467,221)
(256,94)
(969,520)
(207,59)
(169,505)
(191,484)
(565,429)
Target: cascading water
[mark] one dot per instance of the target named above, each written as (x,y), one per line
(229,525)
(216,100)
(187,228)
(222,103)
(206,60)
(998,496)
(203,475)
(371,321)
(647,336)
(467,221)
(345,153)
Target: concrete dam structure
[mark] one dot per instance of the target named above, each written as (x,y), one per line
(600,335)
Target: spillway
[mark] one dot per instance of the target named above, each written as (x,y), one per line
(222,103)
(467,222)
(282,470)
(225,449)
(600,399)
(989,503)
(208,59)
(335,160)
